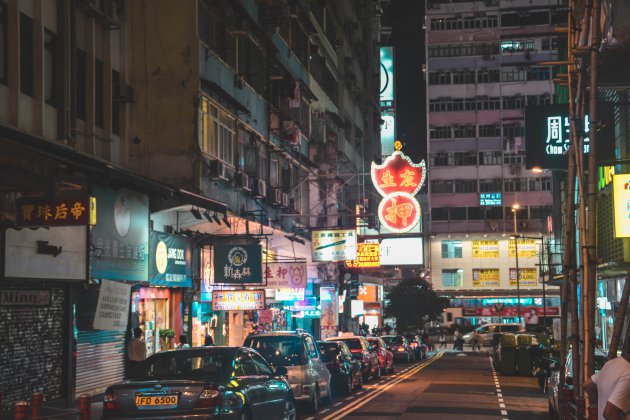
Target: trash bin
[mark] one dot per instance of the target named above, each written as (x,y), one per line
(524,361)
(508,360)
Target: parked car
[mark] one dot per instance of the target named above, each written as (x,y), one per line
(553,382)
(400,348)
(207,382)
(385,357)
(344,369)
(362,351)
(487,331)
(297,352)
(414,341)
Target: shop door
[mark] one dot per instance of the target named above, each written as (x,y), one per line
(154,317)
(235,335)
(32,349)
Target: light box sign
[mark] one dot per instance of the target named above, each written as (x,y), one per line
(388,132)
(485,249)
(547,138)
(238,300)
(398,180)
(237,264)
(171,260)
(621,204)
(402,251)
(490,199)
(334,245)
(281,275)
(486,277)
(387,78)
(290,294)
(45,212)
(529,277)
(367,256)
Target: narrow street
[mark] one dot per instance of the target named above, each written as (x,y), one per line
(448,385)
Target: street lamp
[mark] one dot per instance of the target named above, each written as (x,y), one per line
(515,208)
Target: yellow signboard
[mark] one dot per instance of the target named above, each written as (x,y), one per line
(527,248)
(368,255)
(621,205)
(486,277)
(485,249)
(529,276)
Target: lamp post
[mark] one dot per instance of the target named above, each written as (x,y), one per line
(515,208)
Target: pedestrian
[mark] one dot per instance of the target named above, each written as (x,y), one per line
(443,340)
(611,386)
(475,341)
(208,341)
(183,342)
(136,349)
(455,337)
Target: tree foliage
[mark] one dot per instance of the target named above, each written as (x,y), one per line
(413,302)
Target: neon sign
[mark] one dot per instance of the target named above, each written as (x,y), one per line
(398,180)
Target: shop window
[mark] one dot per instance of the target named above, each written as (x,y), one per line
(452,277)
(217,132)
(27,72)
(451,249)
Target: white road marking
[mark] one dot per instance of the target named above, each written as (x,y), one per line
(347,399)
(502,406)
(325,411)
(503,413)
(339,403)
(309,418)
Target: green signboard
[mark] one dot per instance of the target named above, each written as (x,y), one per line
(237,264)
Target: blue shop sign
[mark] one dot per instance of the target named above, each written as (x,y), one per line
(170,260)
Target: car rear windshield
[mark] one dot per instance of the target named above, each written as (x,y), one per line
(279,350)
(395,340)
(329,351)
(353,343)
(512,328)
(212,364)
(375,343)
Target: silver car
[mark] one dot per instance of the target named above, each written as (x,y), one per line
(299,354)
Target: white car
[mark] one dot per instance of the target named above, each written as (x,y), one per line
(487,331)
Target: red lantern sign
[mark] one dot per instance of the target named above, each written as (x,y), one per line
(398,179)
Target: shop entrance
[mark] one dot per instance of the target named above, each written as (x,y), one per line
(153,315)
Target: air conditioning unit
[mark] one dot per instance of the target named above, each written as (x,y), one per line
(294,206)
(217,170)
(284,200)
(260,190)
(242,181)
(275,196)
(515,169)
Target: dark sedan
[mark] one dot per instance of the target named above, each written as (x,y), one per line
(208,382)
(345,371)
(400,348)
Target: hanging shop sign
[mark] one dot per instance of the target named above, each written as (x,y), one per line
(120,238)
(282,275)
(112,308)
(40,212)
(527,248)
(621,204)
(207,274)
(289,294)
(334,245)
(486,249)
(398,180)
(486,277)
(238,300)
(170,260)
(368,255)
(238,264)
(368,293)
(528,278)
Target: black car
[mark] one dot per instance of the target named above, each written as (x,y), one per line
(416,345)
(344,369)
(207,382)
(400,347)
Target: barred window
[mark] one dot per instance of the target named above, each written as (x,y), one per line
(441,186)
(443,132)
(465,185)
(490,158)
(489,130)
(464,131)
(465,158)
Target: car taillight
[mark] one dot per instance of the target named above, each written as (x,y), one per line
(110,402)
(414,344)
(210,397)
(400,349)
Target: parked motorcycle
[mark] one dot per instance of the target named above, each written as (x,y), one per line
(541,369)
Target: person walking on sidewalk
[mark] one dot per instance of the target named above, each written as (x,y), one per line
(136,349)
(610,387)
(442,340)
(456,335)
(475,341)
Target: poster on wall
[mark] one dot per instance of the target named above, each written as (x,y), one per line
(486,277)
(170,260)
(329,303)
(527,248)
(120,238)
(334,245)
(112,308)
(237,264)
(283,275)
(529,276)
(485,249)
(207,274)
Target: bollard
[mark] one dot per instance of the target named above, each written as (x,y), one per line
(580,404)
(84,406)
(20,411)
(37,399)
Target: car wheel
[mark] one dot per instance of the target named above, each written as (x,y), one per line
(408,358)
(360,384)
(314,404)
(244,414)
(290,412)
(348,387)
(378,371)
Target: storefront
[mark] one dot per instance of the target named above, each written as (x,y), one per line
(484,310)
(609,293)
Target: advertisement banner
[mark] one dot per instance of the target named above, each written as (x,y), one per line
(238,300)
(206,273)
(485,249)
(621,205)
(112,308)
(511,311)
(402,251)
(170,260)
(289,294)
(486,277)
(387,78)
(334,245)
(368,255)
(285,275)
(40,212)
(120,238)
(329,303)
(529,276)
(368,293)
(238,264)
(527,248)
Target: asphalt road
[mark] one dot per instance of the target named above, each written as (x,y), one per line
(448,385)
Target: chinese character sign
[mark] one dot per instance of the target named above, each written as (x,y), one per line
(236,264)
(490,199)
(528,278)
(281,275)
(485,249)
(334,245)
(527,248)
(53,212)
(398,180)
(171,260)
(368,255)
(238,300)
(486,277)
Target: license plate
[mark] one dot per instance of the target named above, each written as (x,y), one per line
(156,401)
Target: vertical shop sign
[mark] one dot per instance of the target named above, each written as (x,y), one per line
(171,260)
(329,308)
(334,245)
(112,308)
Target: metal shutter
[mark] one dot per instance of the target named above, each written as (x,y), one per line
(100,360)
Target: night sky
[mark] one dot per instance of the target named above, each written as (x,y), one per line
(406,17)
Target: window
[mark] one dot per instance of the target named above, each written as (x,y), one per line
(26,55)
(513,130)
(475,213)
(513,74)
(451,249)
(214,33)
(441,159)
(465,158)
(452,277)
(490,158)
(312,349)
(99,99)
(457,213)
(439,78)
(217,131)
(464,131)
(439,213)
(490,185)
(116,88)
(494,213)
(490,130)
(463,77)
(538,73)
(261,365)
(440,132)
(515,184)
(514,102)
(50,73)
(488,76)
(244,365)
(513,158)
(81,84)
(540,184)
(440,186)
(539,212)
(3,43)
(465,185)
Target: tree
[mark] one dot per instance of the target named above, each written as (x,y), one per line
(413,302)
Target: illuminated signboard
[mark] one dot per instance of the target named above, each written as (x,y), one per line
(39,212)
(398,180)
(511,301)
(486,277)
(334,245)
(621,204)
(529,277)
(367,256)
(238,300)
(388,132)
(387,77)
(606,174)
(527,248)
(486,249)
(547,138)
(402,251)
(490,199)
(290,294)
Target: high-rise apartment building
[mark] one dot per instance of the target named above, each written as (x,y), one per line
(485,63)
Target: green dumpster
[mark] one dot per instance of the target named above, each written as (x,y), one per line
(508,360)
(524,361)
